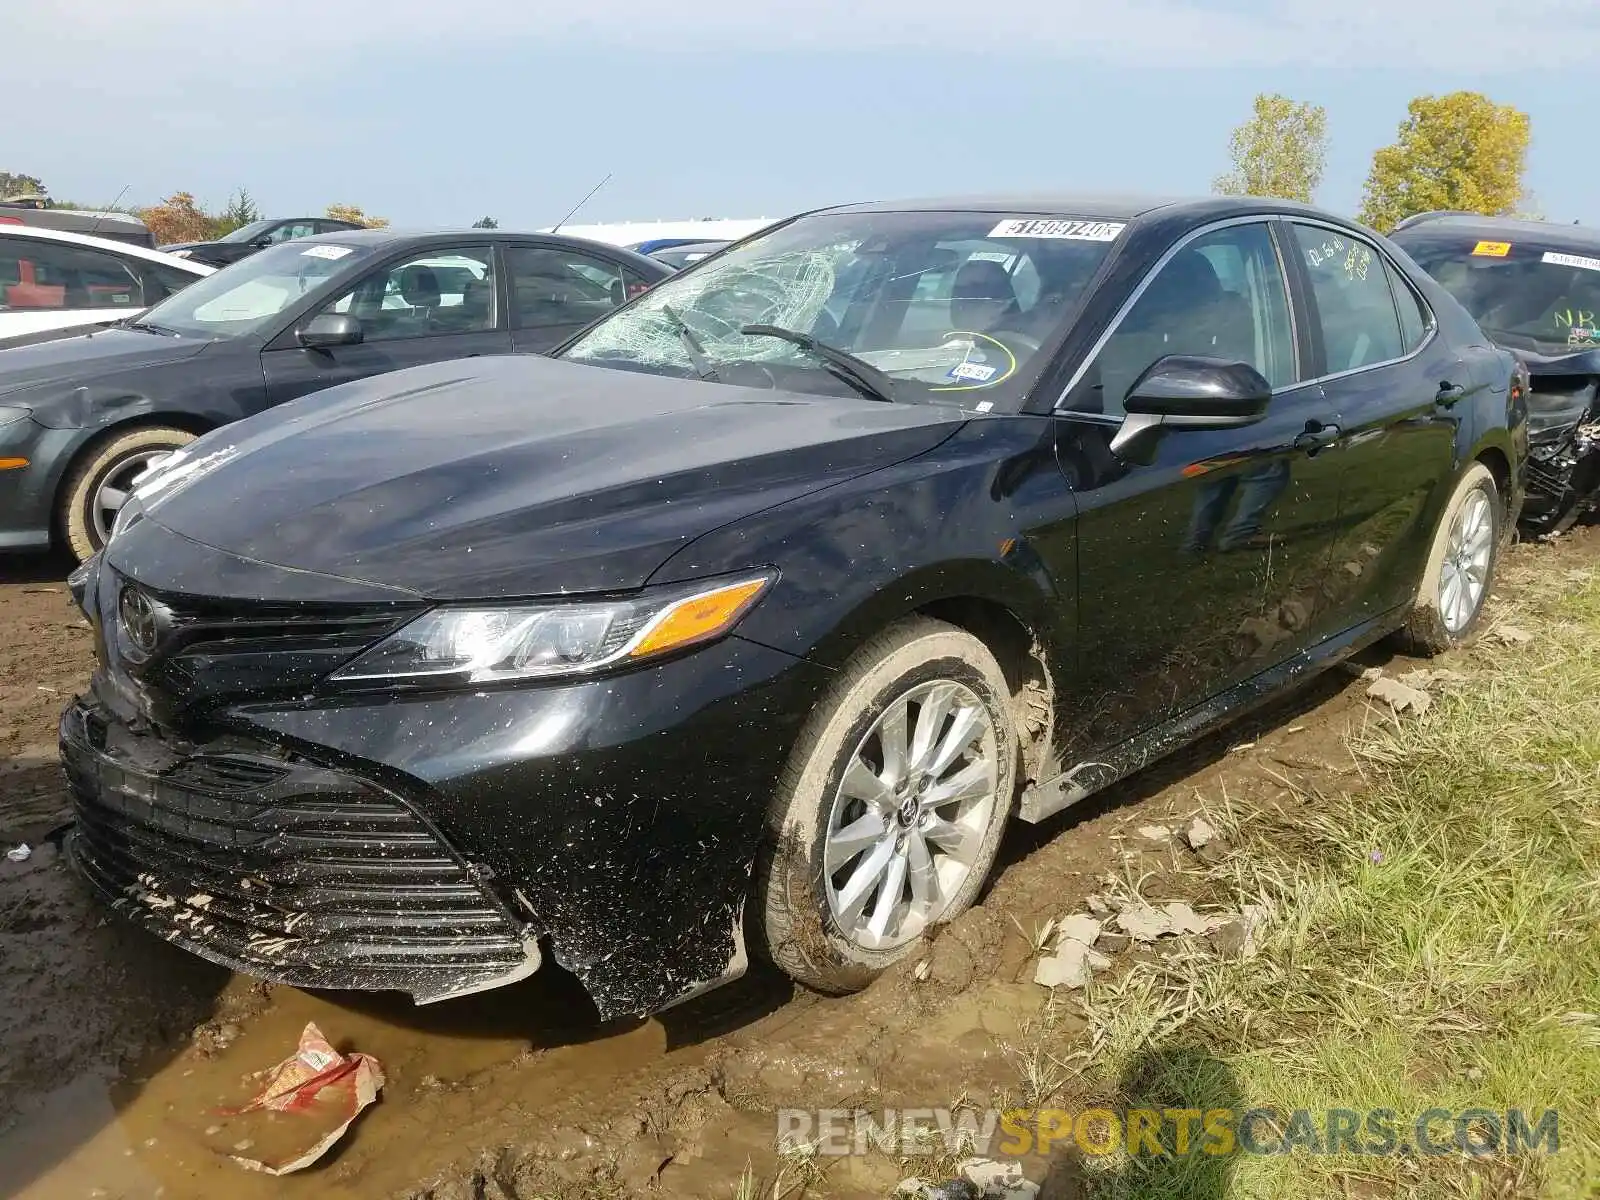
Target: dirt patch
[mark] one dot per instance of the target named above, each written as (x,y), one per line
(115,1048)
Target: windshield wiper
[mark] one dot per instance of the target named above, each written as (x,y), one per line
(691,344)
(857,372)
(151,327)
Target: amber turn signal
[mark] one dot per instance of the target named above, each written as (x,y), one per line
(698,618)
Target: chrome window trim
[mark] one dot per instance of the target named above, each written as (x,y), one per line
(1253,219)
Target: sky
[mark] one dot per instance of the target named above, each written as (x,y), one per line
(433,113)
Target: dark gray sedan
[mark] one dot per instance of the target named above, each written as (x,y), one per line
(82,416)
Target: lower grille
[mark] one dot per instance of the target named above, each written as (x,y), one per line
(282,869)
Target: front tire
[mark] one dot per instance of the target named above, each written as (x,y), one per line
(889,813)
(1460,569)
(100,483)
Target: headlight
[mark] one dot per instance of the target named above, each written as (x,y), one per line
(528,641)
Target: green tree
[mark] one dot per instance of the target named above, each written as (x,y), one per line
(486,223)
(1460,151)
(1280,151)
(240,211)
(21,185)
(349,212)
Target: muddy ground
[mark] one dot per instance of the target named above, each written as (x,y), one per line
(116,1049)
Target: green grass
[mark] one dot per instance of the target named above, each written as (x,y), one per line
(1434,942)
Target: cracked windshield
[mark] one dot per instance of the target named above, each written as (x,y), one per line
(935,307)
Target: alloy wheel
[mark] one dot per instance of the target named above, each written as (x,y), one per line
(909,815)
(1464,575)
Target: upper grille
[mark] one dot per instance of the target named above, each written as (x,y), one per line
(210,652)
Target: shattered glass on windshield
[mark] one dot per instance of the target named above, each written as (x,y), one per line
(949,306)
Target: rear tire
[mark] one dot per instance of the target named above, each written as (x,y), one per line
(106,471)
(899,786)
(1460,569)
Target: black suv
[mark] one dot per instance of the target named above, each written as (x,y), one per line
(1534,288)
(258,235)
(760,609)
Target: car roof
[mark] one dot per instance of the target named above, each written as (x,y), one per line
(424,238)
(41,234)
(1469,224)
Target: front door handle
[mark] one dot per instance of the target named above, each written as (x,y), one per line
(1317,436)
(1449,393)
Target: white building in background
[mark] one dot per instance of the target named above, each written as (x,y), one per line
(634,234)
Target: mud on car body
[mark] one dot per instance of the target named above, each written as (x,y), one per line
(747,621)
(1535,289)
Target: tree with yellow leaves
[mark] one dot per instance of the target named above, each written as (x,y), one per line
(1460,152)
(1280,151)
(349,212)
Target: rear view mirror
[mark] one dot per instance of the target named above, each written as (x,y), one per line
(1189,392)
(329,329)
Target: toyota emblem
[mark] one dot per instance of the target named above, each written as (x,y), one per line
(140,621)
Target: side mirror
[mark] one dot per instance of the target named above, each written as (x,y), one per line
(261,243)
(1188,392)
(329,329)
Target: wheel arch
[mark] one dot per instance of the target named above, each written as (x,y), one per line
(68,465)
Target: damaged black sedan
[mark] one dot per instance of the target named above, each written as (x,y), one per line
(1535,289)
(753,616)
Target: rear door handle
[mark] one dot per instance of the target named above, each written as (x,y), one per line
(1316,436)
(1449,393)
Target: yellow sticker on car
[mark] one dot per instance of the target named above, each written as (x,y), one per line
(1492,249)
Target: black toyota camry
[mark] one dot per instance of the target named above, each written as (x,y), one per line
(754,615)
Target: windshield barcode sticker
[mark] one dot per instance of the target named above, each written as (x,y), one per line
(1572,260)
(325,251)
(1046,227)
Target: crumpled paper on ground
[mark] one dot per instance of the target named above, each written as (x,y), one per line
(326,1090)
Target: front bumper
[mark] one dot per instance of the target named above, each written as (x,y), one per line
(27,494)
(278,868)
(428,842)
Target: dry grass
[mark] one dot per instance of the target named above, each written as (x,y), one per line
(1434,941)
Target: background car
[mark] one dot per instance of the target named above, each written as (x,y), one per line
(40,213)
(82,416)
(681,254)
(765,604)
(1534,288)
(55,280)
(257,235)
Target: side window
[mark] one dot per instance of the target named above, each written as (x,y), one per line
(1415,319)
(166,280)
(1354,304)
(1221,296)
(558,287)
(294,229)
(46,275)
(435,292)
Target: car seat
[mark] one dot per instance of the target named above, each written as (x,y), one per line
(419,288)
(981,297)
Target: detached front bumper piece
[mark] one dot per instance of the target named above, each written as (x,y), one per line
(281,868)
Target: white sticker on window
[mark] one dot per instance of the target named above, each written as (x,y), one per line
(325,251)
(1572,260)
(976,372)
(1050,227)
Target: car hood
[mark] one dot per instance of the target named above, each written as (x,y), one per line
(35,373)
(500,476)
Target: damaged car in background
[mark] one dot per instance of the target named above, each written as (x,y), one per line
(1535,289)
(748,620)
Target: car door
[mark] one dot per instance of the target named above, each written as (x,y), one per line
(555,291)
(423,306)
(54,285)
(1200,568)
(1390,382)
